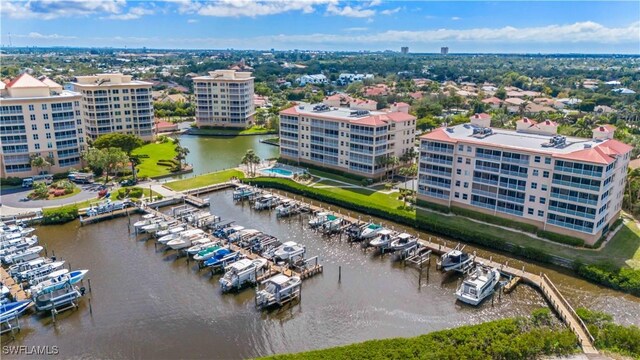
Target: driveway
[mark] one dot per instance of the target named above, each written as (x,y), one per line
(12,198)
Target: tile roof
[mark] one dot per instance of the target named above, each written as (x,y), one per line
(25,81)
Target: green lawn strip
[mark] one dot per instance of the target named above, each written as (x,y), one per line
(326,182)
(148,167)
(204,180)
(514,338)
(624,247)
(329,175)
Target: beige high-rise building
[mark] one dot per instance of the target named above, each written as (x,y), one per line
(39,117)
(224,98)
(116,103)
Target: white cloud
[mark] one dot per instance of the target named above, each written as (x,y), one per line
(348,11)
(134,13)
(248,8)
(456,18)
(374,3)
(39,36)
(352,29)
(390,11)
(52,9)
(192,21)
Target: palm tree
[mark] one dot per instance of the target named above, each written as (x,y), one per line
(522,108)
(633,175)
(250,160)
(181,155)
(584,126)
(38,162)
(393,161)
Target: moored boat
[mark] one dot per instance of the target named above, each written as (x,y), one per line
(23,255)
(370,231)
(278,290)
(10,310)
(241,273)
(454,260)
(478,285)
(383,240)
(404,241)
(289,250)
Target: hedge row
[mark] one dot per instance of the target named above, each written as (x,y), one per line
(608,274)
(422,220)
(620,339)
(60,215)
(324,169)
(11,181)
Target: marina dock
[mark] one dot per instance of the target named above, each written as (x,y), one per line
(16,291)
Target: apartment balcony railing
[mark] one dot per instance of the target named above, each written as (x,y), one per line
(575,185)
(578,171)
(574,199)
(570,226)
(572,212)
(511,198)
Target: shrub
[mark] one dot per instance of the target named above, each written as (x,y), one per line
(61,176)
(59,215)
(606,273)
(11,181)
(610,336)
(559,238)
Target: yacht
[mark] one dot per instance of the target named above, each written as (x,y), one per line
(158,226)
(242,192)
(264,202)
(19,245)
(404,241)
(185,239)
(209,252)
(226,232)
(222,258)
(28,265)
(383,240)
(478,285)
(320,218)
(58,282)
(332,225)
(198,246)
(40,271)
(289,250)
(370,231)
(57,298)
(278,290)
(243,234)
(286,208)
(146,220)
(171,230)
(455,259)
(23,255)
(241,273)
(13,309)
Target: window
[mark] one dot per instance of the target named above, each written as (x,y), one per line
(37,147)
(535,172)
(536,159)
(543,200)
(47,126)
(46,116)
(547,160)
(459,160)
(544,187)
(79,122)
(545,174)
(457,195)
(457,182)
(34,127)
(49,145)
(31,108)
(468,148)
(33,117)
(48,135)
(464,196)
(530,211)
(540,213)
(35,136)
(466,185)
(534,185)
(458,171)
(532,198)
(467,161)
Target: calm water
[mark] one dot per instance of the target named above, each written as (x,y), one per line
(148,304)
(209,153)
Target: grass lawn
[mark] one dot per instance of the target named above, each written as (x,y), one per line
(254,130)
(148,166)
(624,248)
(204,180)
(333,176)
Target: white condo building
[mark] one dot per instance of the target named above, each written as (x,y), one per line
(572,186)
(38,117)
(346,139)
(116,103)
(224,98)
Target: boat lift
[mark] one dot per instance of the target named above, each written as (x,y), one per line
(419,256)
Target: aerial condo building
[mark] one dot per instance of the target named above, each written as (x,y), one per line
(351,139)
(39,118)
(573,186)
(116,103)
(224,98)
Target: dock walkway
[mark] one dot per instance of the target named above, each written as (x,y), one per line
(16,291)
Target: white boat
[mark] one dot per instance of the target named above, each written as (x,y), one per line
(243,234)
(19,242)
(200,244)
(265,202)
(478,285)
(185,239)
(454,260)
(278,290)
(58,282)
(288,250)
(171,230)
(207,252)
(241,273)
(226,232)
(286,208)
(23,255)
(54,274)
(404,241)
(28,265)
(146,220)
(36,272)
(242,192)
(155,227)
(56,298)
(332,225)
(370,231)
(319,219)
(20,245)
(383,240)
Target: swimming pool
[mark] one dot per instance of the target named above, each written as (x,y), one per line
(278,171)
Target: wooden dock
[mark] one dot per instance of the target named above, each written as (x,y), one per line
(16,291)
(84,220)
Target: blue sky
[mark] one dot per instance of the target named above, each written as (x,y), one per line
(424,26)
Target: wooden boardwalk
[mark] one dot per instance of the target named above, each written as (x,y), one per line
(16,291)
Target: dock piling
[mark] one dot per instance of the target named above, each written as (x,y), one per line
(339,274)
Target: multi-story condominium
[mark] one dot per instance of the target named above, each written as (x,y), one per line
(38,118)
(224,98)
(572,186)
(349,140)
(116,103)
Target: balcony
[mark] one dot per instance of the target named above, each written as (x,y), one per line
(433,194)
(437,149)
(483,205)
(513,173)
(360,141)
(572,212)
(578,171)
(436,183)
(488,168)
(435,172)
(488,194)
(575,185)
(489,157)
(511,198)
(570,226)
(485,181)
(515,161)
(437,161)
(574,199)
(509,211)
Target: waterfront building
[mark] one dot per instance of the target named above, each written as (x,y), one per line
(444,50)
(39,118)
(346,139)
(573,186)
(116,103)
(224,98)
(404,50)
(315,79)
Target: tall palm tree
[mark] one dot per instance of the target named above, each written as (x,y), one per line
(38,162)
(633,175)
(250,160)
(584,126)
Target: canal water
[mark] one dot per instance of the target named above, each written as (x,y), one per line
(213,153)
(150,304)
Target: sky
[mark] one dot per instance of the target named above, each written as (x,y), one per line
(423,26)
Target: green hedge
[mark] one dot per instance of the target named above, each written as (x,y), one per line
(11,181)
(516,338)
(422,220)
(559,238)
(60,215)
(625,279)
(433,206)
(320,168)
